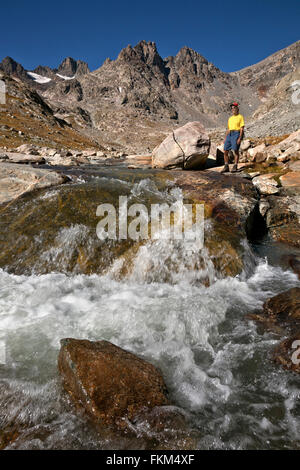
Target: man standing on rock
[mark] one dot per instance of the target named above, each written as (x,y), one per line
(233,137)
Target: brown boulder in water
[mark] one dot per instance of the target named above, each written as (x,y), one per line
(281,313)
(285,306)
(109,383)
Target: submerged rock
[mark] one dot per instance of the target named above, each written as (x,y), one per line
(8,436)
(111,384)
(186,147)
(282,314)
(228,200)
(285,306)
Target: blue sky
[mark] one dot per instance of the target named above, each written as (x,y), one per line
(230,34)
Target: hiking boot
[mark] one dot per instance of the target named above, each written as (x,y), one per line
(234,168)
(225,169)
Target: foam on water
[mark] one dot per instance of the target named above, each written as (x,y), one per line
(213,360)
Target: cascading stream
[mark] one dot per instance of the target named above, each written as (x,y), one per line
(215,362)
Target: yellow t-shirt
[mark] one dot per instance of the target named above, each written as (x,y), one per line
(236,122)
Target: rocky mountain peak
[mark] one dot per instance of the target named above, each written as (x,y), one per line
(145,52)
(70,67)
(140,88)
(10,67)
(45,71)
(186,54)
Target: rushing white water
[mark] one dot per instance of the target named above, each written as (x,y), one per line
(216,363)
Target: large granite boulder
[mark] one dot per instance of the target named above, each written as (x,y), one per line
(186,147)
(109,383)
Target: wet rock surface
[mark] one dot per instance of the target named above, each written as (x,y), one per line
(69,213)
(17,180)
(284,307)
(281,314)
(228,199)
(111,384)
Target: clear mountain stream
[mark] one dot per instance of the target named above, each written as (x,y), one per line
(58,280)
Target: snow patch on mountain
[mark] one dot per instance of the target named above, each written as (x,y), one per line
(38,78)
(64,77)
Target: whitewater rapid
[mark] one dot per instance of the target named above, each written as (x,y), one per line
(214,361)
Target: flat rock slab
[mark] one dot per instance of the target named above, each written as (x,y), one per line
(111,384)
(218,169)
(139,161)
(294,165)
(16,180)
(291,179)
(15,157)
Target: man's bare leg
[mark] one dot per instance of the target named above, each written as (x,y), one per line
(236,156)
(226,166)
(236,160)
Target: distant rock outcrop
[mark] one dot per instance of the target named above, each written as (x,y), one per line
(70,67)
(10,67)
